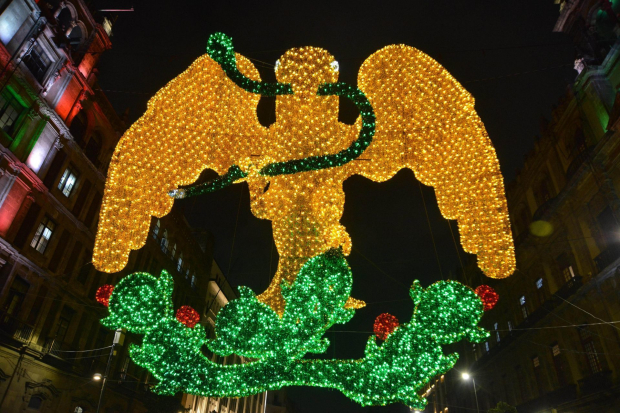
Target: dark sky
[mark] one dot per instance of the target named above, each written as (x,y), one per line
(504,53)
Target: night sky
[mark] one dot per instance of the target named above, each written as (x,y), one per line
(504,53)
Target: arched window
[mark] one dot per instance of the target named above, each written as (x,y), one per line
(75,38)
(194,281)
(156,229)
(543,191)
(590,349)
(180,262)
(78,128)
(93,149)
(164,241)
(35,402)
(64,18)
(173,251)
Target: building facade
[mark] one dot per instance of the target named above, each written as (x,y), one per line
(57,135)
(555,337)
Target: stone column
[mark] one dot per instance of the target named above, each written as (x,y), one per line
(75,109)
(70,28)
(22,127)
(8,178)
(58,145)
(19,217)
(61,6)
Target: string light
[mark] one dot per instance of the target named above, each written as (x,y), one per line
(206,119)
(395,371)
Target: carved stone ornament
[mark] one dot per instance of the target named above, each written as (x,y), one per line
(58,143)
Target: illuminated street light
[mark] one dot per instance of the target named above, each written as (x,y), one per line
(466,376)
(97,376)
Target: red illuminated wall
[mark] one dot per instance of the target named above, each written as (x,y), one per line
(10,207)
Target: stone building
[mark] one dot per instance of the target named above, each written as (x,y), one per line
(57,135)
(555,337)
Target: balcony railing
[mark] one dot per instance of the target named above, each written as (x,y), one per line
(55,347)
(605,258)
(596,382)
(15,328)
(550,399)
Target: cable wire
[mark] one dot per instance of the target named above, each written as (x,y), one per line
(430,228)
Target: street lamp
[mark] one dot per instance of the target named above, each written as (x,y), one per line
(466,376)
(119,338)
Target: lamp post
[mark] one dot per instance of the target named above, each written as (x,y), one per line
(466,377)
(119,337)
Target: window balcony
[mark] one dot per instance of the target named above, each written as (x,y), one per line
(57,348)
(596,382)
(15,329)
(605,258)
(550,399)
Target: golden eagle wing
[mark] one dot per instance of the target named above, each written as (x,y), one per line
(199,120)
(425,121)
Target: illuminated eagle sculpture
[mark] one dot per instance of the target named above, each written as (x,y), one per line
(413,114)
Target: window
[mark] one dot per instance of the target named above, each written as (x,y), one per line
(35,402)
(78,128)
(559,364)
(593,361)
(156,229)
(16,297)
(180,262)
(43,235)
(37,62)
(536,361)
(93,150)
(67,182)
(66,315)
(523,307)
(164,241)
(590,349)
(193,281)
(174,251)
(486,346)
(509,326)
(568,273)
(564,265)
(187,273)
(543,193)
(539,283)
(10,110)
(496,326)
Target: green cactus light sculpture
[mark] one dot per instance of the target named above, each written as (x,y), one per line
(395,371)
